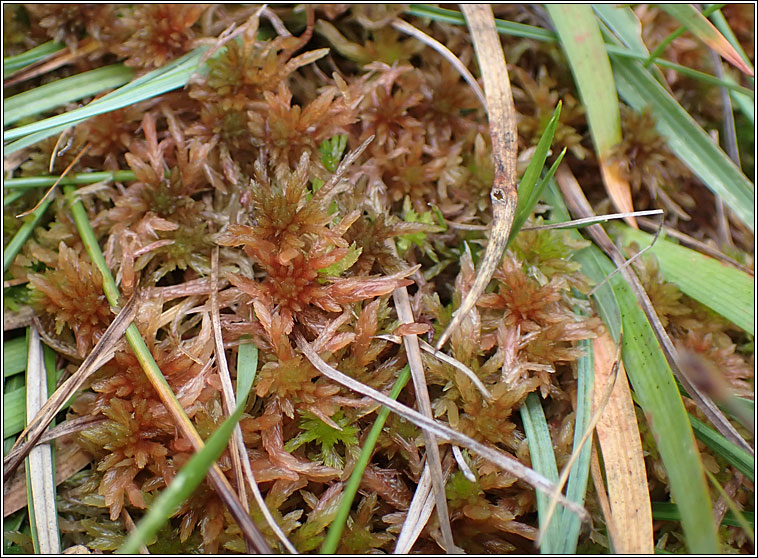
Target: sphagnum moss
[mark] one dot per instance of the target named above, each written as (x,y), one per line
(236,160)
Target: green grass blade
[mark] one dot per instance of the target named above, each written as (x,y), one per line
(14,356)
(687,139)
(504,27)
(351,488)
(668,511)
(528,191)
(656,391)
(187,480)
(13,64)
(60,92)
(568,523)
(543,462)
(583,44)
(27,182)
(14,408)
(23,234)
(729,451)
(722,288)
(247,366)
(155,83)
(534,196)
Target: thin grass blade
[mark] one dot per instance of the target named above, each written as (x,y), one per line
(66,90)
(351,488)
(566,522)
(183,485)
(13,64)
(543,462)
(689,16)
(23,233)
(529,191)
(730,452)
(157,82)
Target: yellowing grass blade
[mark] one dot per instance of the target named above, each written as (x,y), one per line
(580,37)
(689,16)
(622,456)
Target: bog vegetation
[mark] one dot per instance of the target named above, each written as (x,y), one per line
(263,177)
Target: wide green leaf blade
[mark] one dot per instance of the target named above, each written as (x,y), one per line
(722,288)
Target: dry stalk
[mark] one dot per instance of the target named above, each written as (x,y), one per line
(494,456)
(502,118)
(40,461)
(405,313)
(101,353)
(238,445)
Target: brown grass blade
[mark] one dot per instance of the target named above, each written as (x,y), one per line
(502,118)
(619,438)
(405,314)
(494,456)
(100,354)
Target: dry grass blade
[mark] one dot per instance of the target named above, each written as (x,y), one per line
(100,354)
(494,456)
(599,408)
(405,313)
(52,188)
(502,118)
(619,438)
(227,390)
(40,462)
(420,509)
(69,459)
(447,359)
(602,495)
(405,27)
(245,473)
(130,526)
(580,206)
